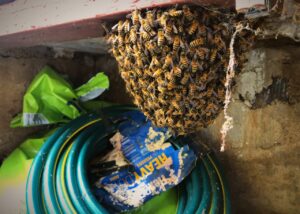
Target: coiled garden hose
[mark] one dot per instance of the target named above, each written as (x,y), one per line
(58,181)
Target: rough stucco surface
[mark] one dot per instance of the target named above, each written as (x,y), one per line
(262,155)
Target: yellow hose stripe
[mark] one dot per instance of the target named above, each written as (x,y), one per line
(221,181)
(63,184)
(66,141)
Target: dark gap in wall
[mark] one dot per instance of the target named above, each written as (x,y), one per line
(276,91)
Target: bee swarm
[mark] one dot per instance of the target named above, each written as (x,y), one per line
(174,64)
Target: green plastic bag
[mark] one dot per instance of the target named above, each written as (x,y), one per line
(51,99)
(13,174)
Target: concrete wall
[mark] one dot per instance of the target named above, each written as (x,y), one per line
(17,69)
(263,149)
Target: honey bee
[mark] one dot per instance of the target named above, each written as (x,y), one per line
(185,78)
(150,18)
(197,42)
(192,89)
(193,27)
(146,26)
(120,40)
(188,123)
(170,77)
(135,16)
(145,92)
(171,85)
(170,111)
(195,64)
(204,77)
(209,92)
(177,112)
(128,50)
(138,100)
(158,72)
(159,113)
(165,50)
(162,100)
(213,55)
(127,63)
(180,29)
(183,60)
(211,107)
(160,37)
(177,71)
(154,62)
(139,62)
(151,87)
(120,27)
(175,104)
(125,75)
(168,61)
(221,93)
(115,52)
(202,29)
(133,35)
(113,39)
(178,97)
(219,42)
(126,26)
(161,88)
(176,43)
(202,53)
(187,13)
(163,18)
(145,35)
(152,47)
(147,72)
(142,82)
(178,124)
(184,91)
(175,13)
(147,114)
(170,121)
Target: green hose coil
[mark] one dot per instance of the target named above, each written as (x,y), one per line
(58,181)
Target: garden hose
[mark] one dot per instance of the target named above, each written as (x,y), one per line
(51,202)
(42,169)
(58,181)
(83,184)
(206,194)
(62,193)
(214,193)
(71,164)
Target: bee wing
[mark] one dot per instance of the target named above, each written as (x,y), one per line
(115,27)
(175,29)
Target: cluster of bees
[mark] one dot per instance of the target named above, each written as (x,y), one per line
(174,62)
